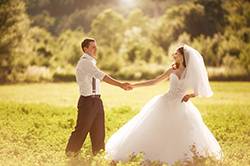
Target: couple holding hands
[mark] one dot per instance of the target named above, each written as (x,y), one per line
(169,128)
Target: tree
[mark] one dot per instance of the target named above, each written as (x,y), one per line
(137,18)
(69,47)
(108,29)
(245,58)
(209,47)
(67,14)
(43,20)
(237,32)
(176,20)
(14,50)
(43,46)
(156,8)
(214,19)
(138,48)
(79,18)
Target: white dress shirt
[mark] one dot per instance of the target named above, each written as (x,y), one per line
(86,70)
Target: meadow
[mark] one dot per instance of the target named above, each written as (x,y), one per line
(37,119)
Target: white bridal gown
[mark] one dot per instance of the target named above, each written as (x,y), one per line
(165,130)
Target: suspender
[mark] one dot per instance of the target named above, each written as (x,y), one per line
(93,85)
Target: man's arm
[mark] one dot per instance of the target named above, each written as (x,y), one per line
(98,74)
(112,81)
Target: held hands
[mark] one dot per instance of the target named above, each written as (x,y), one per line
(112,81)
(126,86)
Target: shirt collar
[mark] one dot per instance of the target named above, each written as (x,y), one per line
(87,56)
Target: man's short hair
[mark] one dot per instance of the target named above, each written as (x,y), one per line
(86,41)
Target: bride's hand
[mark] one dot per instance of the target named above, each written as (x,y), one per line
(134,85)
(186,98)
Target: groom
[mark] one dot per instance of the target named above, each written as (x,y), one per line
(90,117)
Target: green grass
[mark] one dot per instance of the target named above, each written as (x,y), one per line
(36,120)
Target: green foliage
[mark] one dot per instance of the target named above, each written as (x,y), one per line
(230,62)
(137,18)
(108,28)
(32,133)
(237,33)
(109,60)
(177,20)
(140,71)
(44,20)
(137,47)
(126,36)
(69,47)
(43,46)
(14,49)
(78,19)
(36,74)
(74,13)
(64,73)
(64,77)
(209,48)
(245,58)
(238,14)
(214,19)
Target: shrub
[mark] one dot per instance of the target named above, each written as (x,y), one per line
(245,58)
(64,74)
(140,71)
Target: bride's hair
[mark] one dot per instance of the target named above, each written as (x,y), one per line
(177,65)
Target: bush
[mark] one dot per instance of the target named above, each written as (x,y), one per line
(69,47)
(64,77)
(140,71)
(245,58)
(109,60)
(37,74)
(64,74)
(230,62)
(14,49)
(209,49)
(227,74)
(177,20)
(43,47)
(137,47)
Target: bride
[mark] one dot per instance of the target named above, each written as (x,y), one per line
(169,128)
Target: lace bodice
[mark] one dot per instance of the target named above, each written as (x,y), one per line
(176,87)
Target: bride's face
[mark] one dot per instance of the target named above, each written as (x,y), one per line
(178,57)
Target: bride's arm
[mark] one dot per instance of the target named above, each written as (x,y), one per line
(161,77)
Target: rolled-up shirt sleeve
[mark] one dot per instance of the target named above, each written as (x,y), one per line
(93,70)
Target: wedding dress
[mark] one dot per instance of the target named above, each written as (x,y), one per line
(167,129)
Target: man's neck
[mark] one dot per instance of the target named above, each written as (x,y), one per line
(90,55)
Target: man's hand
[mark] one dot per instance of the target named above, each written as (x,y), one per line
(186,98)
(112,81)
(126,86)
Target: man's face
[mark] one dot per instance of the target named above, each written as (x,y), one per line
(91,50)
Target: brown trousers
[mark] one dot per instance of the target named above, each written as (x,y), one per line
(90,119)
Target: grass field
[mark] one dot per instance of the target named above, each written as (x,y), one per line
(36,120)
